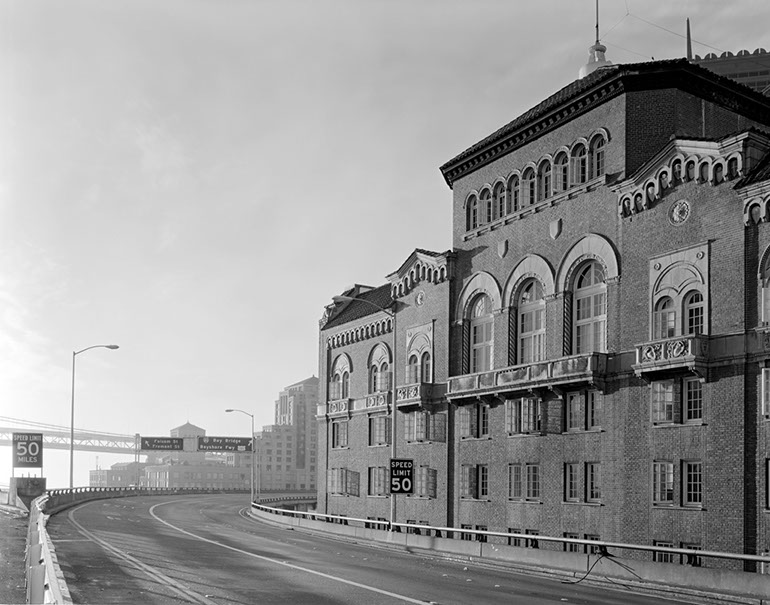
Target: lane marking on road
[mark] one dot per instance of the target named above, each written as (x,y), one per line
(170,583)
(283,563)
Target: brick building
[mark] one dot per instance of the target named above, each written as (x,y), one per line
(592,358)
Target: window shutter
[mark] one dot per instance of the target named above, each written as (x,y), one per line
(420,426)
(330,480)
(766,391)
(354,481)
(473,413)
(678,399)
(473,481)
(465,480)
(343,434)
(463,415)
(432,476)
(438,428)
(409,426)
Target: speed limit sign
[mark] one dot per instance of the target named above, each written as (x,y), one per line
(28,450)
(401,476)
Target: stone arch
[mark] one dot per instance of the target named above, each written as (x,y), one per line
(379,353)
(592,246)
(531,265)
(481,283)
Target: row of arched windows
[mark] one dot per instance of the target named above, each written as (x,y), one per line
(589,313)
(537,182)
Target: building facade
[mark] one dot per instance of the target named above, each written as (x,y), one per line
(287,450)
(597,339)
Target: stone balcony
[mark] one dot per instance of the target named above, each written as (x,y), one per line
(671,355)
(589,368)
(418,395)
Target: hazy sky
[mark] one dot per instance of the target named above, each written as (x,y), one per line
(194,180)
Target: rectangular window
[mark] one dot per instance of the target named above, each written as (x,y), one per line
(691,559)
(662,397)
(588,549)
(379,430)
(663,557)
(663,483)
(569,546)
(693,399)
(574,412)
(378,481)
(475,481)
(533,482)
(514,481)
(532,542)
(571,486)
(593,481)
(594,400)
(339,433)
(474,421)
(523,415)
(342,481)
(426,482)
(514,541)
(693,478)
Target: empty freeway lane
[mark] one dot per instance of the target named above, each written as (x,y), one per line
(202,549)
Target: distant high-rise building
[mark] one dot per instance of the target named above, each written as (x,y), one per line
(287,449)
(751,69)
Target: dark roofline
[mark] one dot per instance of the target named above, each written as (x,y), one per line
(355,309)
(597,88)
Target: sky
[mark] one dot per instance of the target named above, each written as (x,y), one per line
(193,180)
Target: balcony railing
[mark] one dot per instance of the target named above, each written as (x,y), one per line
(586,368)
(418,394)
(680,353)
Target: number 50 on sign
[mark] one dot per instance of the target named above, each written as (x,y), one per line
(401,476)
(28,450)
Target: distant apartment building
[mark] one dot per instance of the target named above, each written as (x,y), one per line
(749,68)
(120,474)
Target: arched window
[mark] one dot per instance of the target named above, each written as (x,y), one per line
(732,168)
(426,374)
(719,174)
(339,386)
(481,334)
(544,181)
(531,311)
(528,187)
(590,309)
(693,314)
(579,165)
(413,370)
(597,157)
(498,201)
(664,319)
(764,283)
(561,172)
(513,193)
(485,207)
(472,213)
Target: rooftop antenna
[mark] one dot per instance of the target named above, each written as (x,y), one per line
(595,53)
(689,41)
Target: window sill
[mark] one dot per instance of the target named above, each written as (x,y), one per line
(675,507)
(346,447)
(382,496)
(524,435)
(378,445)
(424,441)
(484,438)
(467,499)
(677,425)
(523,501)
(582,503)
(582,431)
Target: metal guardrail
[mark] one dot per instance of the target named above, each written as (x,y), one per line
(599,546)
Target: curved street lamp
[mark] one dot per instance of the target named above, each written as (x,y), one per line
(392,315)
(72,410)
(253,447)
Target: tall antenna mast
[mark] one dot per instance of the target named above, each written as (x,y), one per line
(597,21)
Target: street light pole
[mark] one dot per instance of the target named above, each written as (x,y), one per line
(392,315)
(253,448)
(72,407)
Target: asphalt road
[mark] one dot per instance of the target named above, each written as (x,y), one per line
(201,549)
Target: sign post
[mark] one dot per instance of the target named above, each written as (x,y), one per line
(401,476)
(28,450)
